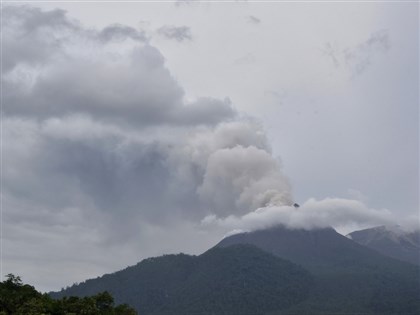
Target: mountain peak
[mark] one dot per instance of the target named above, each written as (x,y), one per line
(392,241)
(316,250)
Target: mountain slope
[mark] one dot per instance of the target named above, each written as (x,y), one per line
(348,276)
(239,279)
(319,250)
(336,275)
(390,241)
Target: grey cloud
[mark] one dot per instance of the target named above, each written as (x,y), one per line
(229,135)
(31,19)
(343,214)
(135,88)
(205,110)
(178,33)
(107,170)
(110,192)
(32,36)
(80,163)
(111,135)
(140,90)
(118,32)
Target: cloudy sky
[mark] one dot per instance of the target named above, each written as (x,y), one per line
(136,129)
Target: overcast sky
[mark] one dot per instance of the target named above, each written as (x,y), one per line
(136,129)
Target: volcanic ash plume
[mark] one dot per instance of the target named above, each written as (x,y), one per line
(241,179)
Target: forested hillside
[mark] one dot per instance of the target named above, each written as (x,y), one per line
(17,298)
(244,279)
(349,277)
(240,279)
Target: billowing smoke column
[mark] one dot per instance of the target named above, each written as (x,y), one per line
(240,173)
(110,132)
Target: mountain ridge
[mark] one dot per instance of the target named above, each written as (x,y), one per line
(215,281)
(273,271)
(391,241)
(317,250)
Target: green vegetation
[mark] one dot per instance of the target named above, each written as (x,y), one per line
(240,279)
(324,273)
(22,299)
(348,278)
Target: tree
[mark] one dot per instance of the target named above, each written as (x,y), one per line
(124,309)
(104,302)
(15,295)
(22,299)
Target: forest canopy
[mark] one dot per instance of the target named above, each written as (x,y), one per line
(18,298)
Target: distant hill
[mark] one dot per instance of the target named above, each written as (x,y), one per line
(240,279)
(274,272)
(391,241)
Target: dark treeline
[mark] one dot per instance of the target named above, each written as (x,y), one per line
(23,299)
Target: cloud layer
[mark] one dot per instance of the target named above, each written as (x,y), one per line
(101,80)
(345,215)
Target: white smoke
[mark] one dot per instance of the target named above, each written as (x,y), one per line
(241,179)
(345,215)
